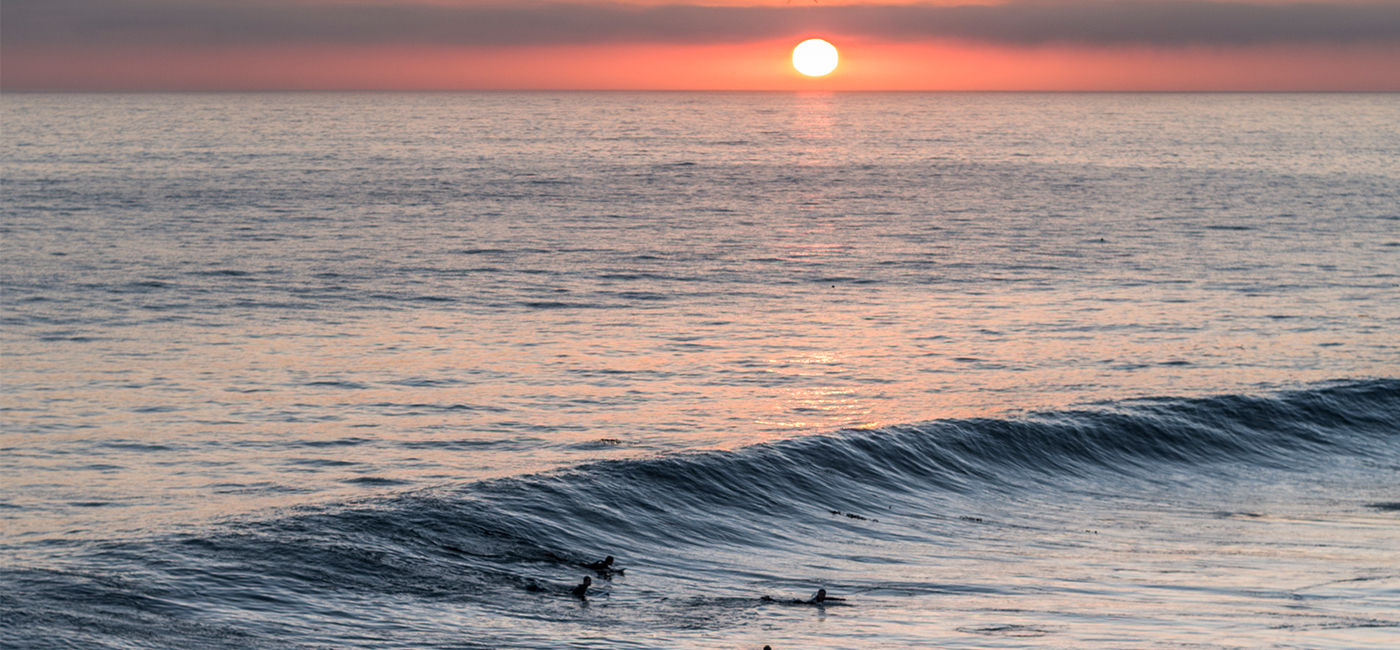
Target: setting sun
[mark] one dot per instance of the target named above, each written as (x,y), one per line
(815,57)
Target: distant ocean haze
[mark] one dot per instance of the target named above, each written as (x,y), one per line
(1133,342)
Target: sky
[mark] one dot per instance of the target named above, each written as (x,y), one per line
(1213,45)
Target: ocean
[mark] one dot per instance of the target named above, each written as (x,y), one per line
(380,370)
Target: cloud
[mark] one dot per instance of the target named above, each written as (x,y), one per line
(67,23)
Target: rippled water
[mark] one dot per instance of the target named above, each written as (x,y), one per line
(379,369)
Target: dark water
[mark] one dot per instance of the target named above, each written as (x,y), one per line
(1001,370)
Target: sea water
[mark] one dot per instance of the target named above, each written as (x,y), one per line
(1002,370)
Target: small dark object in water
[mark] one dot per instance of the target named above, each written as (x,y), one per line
(604,568)
(604,564)
(852,515)
(581,591)
(821,597)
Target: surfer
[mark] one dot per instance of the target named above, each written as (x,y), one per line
(821,597)
(604,568)
(581,591)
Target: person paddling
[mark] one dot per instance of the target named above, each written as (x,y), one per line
(604,564)
(821,597)
(604,568)
(581,591)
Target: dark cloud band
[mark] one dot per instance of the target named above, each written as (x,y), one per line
(1025,22)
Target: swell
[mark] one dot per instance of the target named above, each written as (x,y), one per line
(494,543)
(1142,440)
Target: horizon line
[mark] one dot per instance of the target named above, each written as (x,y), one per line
(1074,91)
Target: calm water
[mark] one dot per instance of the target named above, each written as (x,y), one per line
(380,369)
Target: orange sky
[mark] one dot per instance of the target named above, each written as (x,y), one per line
(147,49)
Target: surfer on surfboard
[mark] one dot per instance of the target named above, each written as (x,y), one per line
(819,598)
(604,568)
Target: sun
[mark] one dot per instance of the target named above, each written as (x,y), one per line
(814,57)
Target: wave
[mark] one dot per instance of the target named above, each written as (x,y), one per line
(507,545)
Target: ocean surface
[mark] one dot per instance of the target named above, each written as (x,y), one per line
(1002,370)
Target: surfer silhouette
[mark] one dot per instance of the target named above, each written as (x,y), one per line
(581,591)
(819,598)
(604,568)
